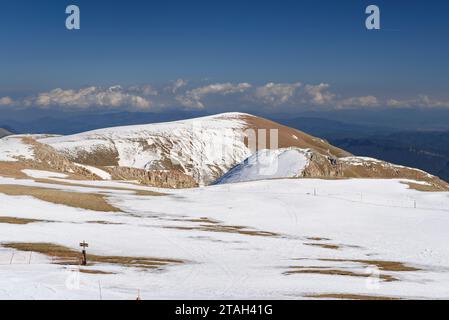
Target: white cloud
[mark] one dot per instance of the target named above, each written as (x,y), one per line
(354,102)
(145,90)
(6,101)
(215,97)
(422,101)
(276,93)
(318,94)
(178,84)
(112,97)
(193,98)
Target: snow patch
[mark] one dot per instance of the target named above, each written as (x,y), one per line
(269,164)
(100,173)
(12,148)
(40,174)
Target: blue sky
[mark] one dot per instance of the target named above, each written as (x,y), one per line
(140,43)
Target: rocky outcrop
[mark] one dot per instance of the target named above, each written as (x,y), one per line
(358,167)
(321,166)
(155,178)
(46,158)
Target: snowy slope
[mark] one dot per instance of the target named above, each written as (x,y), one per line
(269,164)
(201,147)
(366,220)
(13,148)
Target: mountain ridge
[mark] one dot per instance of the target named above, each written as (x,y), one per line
(192,152)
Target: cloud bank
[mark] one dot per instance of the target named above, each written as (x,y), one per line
(181,94)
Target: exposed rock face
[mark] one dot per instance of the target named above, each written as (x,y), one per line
(160,179)
(360,167)
(323,167)
(46,158)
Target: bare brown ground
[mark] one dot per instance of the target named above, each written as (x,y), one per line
(88,271)
(381,264)
(226,229)
(334,272)
(86,201)
(344,296)
(385,170)
(71,184)
(287,139)
(318,239)
(67,256)
(422,188)
(12,170)
(104,222)
(13,220)
(324,245)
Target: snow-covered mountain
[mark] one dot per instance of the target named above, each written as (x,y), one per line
(223,148)
(203,148)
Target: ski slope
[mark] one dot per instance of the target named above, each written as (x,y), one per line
(238,241)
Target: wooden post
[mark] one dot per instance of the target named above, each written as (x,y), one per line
(138,295)
(99,288)
(84,245)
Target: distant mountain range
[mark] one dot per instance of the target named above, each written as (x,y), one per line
(428,151)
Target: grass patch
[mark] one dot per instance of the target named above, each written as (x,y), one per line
(227,229)
(12,169)
(88,201)
(317,239)
(323,245)
(106,189)
(334,272)
(381,264)
(89,271)
(105,222)
(67,256)
(13,220)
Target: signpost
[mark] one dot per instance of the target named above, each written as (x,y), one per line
(84,245)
